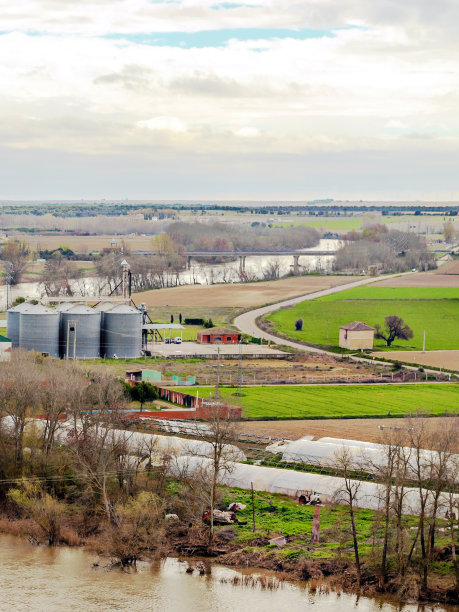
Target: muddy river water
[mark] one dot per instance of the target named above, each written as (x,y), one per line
(39,578)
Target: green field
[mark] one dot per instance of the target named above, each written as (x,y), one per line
(346,224)
(339,401)
(435,310)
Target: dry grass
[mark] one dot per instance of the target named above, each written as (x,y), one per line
(239,295)
(436,359)
(84,244)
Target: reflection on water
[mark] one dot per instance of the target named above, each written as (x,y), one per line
(56,579)
(203,273)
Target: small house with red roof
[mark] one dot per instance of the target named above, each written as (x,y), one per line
(356,336)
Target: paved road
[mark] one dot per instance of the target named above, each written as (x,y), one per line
(247,322)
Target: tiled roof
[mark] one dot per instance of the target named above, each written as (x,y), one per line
(357,326)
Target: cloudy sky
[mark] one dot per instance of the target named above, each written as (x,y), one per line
(264,99)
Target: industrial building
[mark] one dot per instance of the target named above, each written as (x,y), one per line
(218,335)
(77,331)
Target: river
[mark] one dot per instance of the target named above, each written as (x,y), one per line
(39,578)
(204,274)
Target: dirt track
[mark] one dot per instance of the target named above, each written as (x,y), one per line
(446,275)
(239,295)
(436,359)
(353,429)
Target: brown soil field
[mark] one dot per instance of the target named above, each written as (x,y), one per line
(239,295)
(451,267)
(436,278)
(84,244)
(319,368)
(436,359)
(367,430)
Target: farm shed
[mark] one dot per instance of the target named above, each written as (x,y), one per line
(356,335)
(218,335)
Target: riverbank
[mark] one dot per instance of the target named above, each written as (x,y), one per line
(29,582)
(292,558)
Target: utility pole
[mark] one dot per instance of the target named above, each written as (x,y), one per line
(424,342)
(253,508)
(239,373)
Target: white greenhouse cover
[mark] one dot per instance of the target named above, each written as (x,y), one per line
(290,482)
(368,456)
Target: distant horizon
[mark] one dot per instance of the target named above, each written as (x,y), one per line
(228,202)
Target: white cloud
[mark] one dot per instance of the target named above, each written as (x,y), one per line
(388,86)
(168,124)
(247,132)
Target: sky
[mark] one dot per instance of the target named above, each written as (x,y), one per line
(204,99)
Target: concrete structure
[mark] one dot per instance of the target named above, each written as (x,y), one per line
(356,335)
(5,348)
(140,375)
(218,335)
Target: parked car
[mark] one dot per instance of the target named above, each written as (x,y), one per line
(167,341)
(178,340)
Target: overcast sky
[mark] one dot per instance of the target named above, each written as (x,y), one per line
(268,99)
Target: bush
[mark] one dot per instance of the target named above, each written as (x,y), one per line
(191,321)
(299,324)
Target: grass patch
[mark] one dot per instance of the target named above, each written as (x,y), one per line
(341,401)
(433,309)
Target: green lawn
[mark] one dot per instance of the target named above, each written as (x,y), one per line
(435,310)
(339,401)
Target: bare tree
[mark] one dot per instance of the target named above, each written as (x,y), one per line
(394,327)
(219,435)
(19,396)
(14,256)
(344,463)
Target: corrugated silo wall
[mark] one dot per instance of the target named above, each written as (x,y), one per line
(12,327)
(121,334)
(80,335)
(39,331)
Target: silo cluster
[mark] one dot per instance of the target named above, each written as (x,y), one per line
(76,331)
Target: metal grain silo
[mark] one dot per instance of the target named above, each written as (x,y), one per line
(12,322)
(122,332)
(80,333)
(39,329)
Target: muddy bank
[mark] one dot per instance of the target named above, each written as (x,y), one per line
(189,544)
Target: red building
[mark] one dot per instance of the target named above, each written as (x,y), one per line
(218,335)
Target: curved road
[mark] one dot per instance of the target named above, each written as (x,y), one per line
(247,322)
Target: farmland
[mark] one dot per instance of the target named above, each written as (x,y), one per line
(433,309)
(238,295)
(334,401)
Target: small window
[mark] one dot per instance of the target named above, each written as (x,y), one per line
(228,338)
(217,339)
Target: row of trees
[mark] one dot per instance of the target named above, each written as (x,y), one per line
(119,487)
(393,251)
(89,464)
(224,236)
(409,477)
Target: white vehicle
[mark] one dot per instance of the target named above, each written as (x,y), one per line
(178,340)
